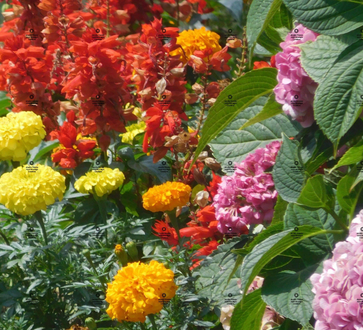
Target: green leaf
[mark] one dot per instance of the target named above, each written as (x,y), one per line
(279,210)
(289,294)
(331,17)
(217,277)
(270,109)
(161,169)
(259,15)
(318,57)
(337,99)
(346,196)
(233,145)
(250,316)
(42,149)
(288,171)
(234,7)
(233,99)
(273,246)
(352,156)
(314,193)
(319,246)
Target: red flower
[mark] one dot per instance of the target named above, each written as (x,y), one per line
(165,232)
(260,65)
(204,251)
(206,214)
(213,185)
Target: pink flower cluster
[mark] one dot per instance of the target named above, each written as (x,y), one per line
(295,90)
(338,302)
(249,195)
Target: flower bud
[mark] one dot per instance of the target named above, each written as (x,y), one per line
(212,164)
(132,250)
(90,323)
(234,43)
(201,198)
(203,155)
(198,88)
(191,98)
(121,254)
(161,86)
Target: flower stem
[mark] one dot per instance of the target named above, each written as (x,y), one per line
(4,237)
(101,202)
(152,320)
(336,218)
(142,326)
(39,217)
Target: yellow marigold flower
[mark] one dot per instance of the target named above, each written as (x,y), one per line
(132,131)
(101,181)
(19,133)
(166,197)
(30,188)
(139,290)
(197,39)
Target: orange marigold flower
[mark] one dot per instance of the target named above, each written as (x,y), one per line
(196,40)
(166,197)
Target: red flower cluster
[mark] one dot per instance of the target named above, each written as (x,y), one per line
(72,150)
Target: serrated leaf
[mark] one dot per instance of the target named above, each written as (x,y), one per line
(250,316)
(270,109)
(331,17)
(233,145)
(161,170)
(233,99)
(296,216)
(337,99)
(279,210)
(289,294)
(273,246)
(346,196)
(352,156)
(314,194)
(318,57)
(260,14)
(288,171)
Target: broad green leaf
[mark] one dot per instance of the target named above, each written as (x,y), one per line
(314,194)
(250,316)
(346,196)
(234,7)
(289,293)
(161,169)
(270,109)
(318,57)
(260,14)
(233,145)
(337,99)
(331,17)
(352,156)
(270,248)
(217,278)
(43,148)
(279,210)
(319,246)
(288,171)
(359,177)
(233,99)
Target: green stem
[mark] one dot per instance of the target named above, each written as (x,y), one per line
(101,202)
(4,237)
(103,283)
(152,320)
(39,217)
(336,218)
(142,326)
